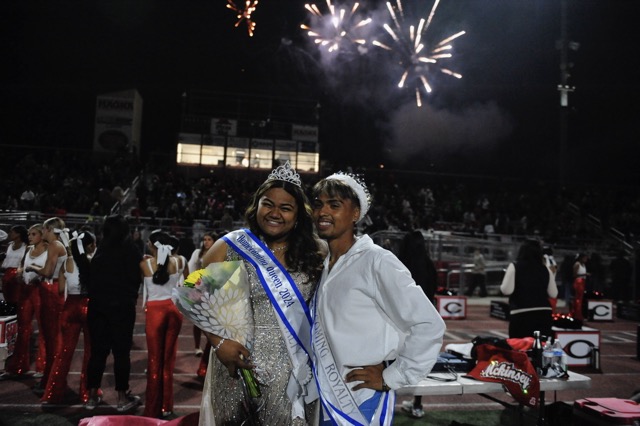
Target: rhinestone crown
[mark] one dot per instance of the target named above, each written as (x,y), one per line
(285,173)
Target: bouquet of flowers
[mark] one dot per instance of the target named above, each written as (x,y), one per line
(217,299)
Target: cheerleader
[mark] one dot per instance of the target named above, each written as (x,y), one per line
(195,263)
(163,323)
(19,239)
(579,279)
(29,306)
(51,302)
(183,268)
(72,284)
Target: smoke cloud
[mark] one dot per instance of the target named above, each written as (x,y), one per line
(428,131)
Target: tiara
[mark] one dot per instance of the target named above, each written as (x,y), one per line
(285,173)
(359,187)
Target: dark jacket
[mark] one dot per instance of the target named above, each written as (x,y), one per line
(115,275)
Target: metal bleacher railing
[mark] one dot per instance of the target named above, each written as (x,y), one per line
(452,253)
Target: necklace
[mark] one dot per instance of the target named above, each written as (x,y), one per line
(281,248)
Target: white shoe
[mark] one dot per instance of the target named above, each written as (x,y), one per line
(198,352)
(417,412)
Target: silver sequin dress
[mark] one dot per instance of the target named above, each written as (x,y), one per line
(222,395)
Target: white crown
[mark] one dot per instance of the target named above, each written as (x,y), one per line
(285,173)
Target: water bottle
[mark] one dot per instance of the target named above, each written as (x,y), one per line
(536,352)
(547,356)
(559,357)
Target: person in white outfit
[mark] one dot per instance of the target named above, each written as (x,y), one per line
(374,330)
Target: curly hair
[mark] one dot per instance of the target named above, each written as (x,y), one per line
(304,252)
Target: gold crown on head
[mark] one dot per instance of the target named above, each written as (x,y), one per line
(286,173)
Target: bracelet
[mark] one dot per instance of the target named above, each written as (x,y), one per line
(216,347)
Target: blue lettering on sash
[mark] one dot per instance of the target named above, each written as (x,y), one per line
(286,296)
(242,240)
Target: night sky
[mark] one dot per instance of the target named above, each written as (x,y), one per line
(501,118)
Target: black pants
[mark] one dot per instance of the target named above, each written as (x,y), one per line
(477,280)
(111,330)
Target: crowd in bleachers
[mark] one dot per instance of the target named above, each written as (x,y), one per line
(57,183)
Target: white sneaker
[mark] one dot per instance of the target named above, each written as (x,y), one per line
(407,407)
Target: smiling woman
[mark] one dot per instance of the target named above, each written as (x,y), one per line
(283,260)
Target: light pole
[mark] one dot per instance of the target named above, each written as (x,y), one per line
(564,88)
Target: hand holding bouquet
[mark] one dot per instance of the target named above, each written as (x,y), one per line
(217,299)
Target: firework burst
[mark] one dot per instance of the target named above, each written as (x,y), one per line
(244,14)
(337,30)
(418,61)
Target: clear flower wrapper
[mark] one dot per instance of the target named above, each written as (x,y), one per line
(217,300)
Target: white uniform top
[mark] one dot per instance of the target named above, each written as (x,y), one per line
(59,262)
(156,292)
(195,262)
(72,279)
(14,257)
(373,311)
(38,261)
(181,265)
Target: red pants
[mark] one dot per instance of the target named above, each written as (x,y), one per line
(10,286)
(204,361)
(578,291)
(164,322)
(73,319)
(51,303)
(28,308)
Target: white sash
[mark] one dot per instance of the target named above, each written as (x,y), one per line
(338,403)
(292,312)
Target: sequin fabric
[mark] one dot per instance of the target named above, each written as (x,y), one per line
(269,353)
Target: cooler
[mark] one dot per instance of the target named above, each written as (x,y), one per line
(606,411)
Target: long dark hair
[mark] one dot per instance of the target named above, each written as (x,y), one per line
(23,232)
(213,236)
(115,231)
(303,253)
(415,256)
(161,275)
(81,259)
(530,251)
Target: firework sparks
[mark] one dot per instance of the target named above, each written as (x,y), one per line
(244,14)
(336,30)
(409,44)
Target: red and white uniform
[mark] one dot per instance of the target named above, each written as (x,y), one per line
(51,302)
(73,319)
(10,265)
(163,325)
(28,307)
